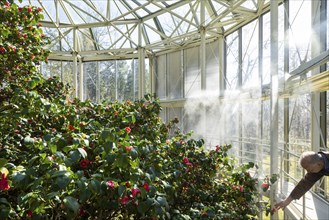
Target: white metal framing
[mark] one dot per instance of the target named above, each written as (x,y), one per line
(205,22)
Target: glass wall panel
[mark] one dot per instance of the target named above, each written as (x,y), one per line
(173,113)
(281,38)
(160,77)
(147,79)
(192,72)
(266,46)
(232,61)
(212,66)
(63,70)
(108,78)
(174,76)
(250,123)
(124,83)
(250,45)
(300,130)
(300,30)
(90,80)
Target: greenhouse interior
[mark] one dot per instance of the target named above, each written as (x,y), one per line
(162,109)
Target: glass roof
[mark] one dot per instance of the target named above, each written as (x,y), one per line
(117,28)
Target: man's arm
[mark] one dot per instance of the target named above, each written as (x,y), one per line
(300,189)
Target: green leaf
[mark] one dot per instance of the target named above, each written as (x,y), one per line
(28,140)
(62,181)
(3,162)
(75,155)
(72,204)
(48,137)
(4,201)
(95,186)
(108,146)
(82,152)
(52,148)
(143,207)
(107,135)
(121,190)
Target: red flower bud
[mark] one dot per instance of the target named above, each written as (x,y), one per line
(128,130)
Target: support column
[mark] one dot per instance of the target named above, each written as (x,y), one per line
(75,63)
(221,61)
(98,84)
(81,76)
(240,103)
(286,120)
(274,98)
(315,96)
(319,100)
(203,48)
(141,73)
(141,64)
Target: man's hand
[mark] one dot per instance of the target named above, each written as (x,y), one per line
(283,204)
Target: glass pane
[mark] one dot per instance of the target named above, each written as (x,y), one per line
(192,73)
(250,75)
(300,31)
(232,61)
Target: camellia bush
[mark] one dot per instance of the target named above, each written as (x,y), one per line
(68,159)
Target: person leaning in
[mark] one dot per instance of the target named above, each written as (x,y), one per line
(317,165)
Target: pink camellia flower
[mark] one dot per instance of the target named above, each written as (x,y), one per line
(128,148)
(128,130)
(4,182)
(185,160)
(189,164)
(110,184)
(135,192)
(124,200)
(241,188)
(146,186)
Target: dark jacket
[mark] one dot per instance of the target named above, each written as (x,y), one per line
(310,179)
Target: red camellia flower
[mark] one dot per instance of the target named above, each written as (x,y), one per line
(29,9)
(265,186)
(84,163)
(71,128)
(146,187)
(128,148)
(189,164)
(29,214)
(127,184)
(124,200)
(2,50)
(128,130)
(110,184)
(4,182)
(185,160)
(241,189)
(217,148)
(135,192)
